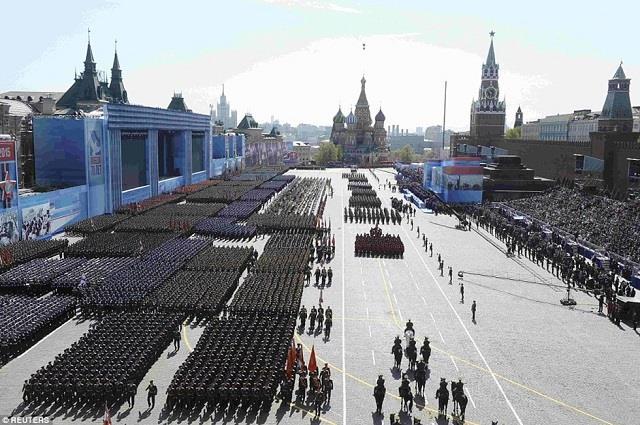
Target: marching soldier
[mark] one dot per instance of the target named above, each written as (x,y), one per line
(312,318)
(303,316)
(327,387)
(319,401)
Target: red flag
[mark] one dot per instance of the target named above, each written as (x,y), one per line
(107,415)
(301,358)
(313,366)
(291,359)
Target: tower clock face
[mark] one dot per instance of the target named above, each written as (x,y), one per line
(490,93)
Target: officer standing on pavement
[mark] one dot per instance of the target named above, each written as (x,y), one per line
(152,391)
(473,311)
(378,393)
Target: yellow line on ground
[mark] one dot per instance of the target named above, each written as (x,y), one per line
(504,378)
(561,403)
(525,387)
(483,369)
(465,361)
(309,412)
(367,384)
(386,290)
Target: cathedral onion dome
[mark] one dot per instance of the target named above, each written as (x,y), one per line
(380,116)
(351,119)
(339,118)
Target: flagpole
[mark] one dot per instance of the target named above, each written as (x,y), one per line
(444,117)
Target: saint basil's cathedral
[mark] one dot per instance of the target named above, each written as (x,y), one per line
(363,141)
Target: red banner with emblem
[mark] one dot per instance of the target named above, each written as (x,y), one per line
(7,151)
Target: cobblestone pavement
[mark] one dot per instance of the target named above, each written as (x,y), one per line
(526,360)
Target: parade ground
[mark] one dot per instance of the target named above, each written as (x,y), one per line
(525,360)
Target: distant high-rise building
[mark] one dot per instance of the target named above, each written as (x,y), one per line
(488,111)
(433,133)
(420,130)
(224,114)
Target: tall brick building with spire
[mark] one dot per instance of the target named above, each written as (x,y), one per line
(488,111)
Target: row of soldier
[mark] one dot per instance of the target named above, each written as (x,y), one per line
(318,319)
(372,215)
(555,254)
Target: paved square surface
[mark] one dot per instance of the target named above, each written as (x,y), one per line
(526,360)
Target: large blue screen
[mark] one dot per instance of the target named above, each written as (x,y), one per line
(59,151)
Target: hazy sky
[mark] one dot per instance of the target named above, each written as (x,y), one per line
(299,59)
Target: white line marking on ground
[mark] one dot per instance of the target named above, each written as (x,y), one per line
(454,363)
(441,337)
(367,312)
(400,314)
(395,299)
(344,322)
(424,301)
(45,338)
(370,335)
(484,360)
(390,285)
(374,357)
(365,295)
(470,398)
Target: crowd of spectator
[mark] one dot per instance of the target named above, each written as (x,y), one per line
(608,223)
